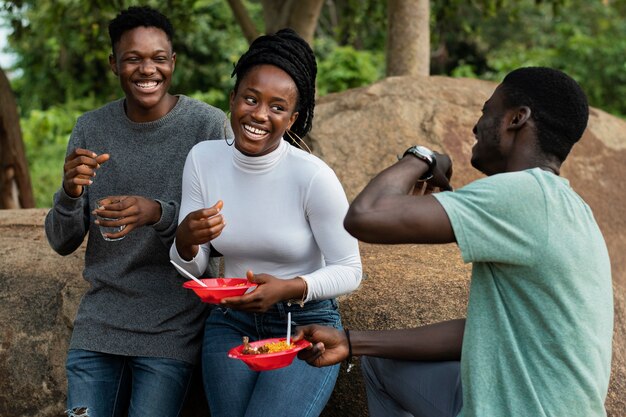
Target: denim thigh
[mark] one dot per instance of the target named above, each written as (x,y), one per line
(233,390)
(107,385)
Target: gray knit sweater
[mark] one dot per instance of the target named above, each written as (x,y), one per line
(136,304)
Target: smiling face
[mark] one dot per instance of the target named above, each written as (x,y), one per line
(487,153)
(262,109)
(144,62)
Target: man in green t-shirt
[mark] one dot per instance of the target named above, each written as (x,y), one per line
(537,337)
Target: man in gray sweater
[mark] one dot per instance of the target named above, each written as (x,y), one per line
(137,332)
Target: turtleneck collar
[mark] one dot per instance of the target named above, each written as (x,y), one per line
(260,164)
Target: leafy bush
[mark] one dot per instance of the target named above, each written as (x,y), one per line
(45,135)
(345,67)
(588,44)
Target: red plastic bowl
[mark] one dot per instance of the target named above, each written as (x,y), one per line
(268,361)
(218,288)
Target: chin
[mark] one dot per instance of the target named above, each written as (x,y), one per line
(476,165)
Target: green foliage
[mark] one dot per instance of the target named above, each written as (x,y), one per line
(358,23)
(45,134)
(214,97)
(344,68)
(587,40)
(62,47)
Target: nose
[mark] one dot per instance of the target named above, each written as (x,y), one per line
(147,67)
(474,129)
(260,113)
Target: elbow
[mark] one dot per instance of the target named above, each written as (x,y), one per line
(61,247)
(355,224)
(356,274)
(362,229)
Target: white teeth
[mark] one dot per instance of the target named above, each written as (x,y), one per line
(254,130)
(147,84)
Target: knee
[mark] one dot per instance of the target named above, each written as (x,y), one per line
(77,412)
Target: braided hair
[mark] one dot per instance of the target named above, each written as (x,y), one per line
(288,51)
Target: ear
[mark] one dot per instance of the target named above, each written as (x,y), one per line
(292,119)
(231,102)
(173,61)
(519,118)
(113,63)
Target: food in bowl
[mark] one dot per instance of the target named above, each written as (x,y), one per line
(259,361)
(270,347)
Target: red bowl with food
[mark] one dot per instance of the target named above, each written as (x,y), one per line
(218,288)
(278,353)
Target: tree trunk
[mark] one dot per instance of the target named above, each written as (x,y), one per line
(408,37)
(15,187)
(302,16)
(243,18)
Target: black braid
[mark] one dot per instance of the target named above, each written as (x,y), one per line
(288,51)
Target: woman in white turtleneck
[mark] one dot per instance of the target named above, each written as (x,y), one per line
(275,213)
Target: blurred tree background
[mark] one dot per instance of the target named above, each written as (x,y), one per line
(62,47)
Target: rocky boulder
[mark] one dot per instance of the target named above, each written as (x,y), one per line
(359,133)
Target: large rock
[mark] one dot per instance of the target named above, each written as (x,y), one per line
(358,133)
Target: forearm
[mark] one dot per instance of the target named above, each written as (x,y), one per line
(381,195)
(398,179)
(435,342)
(334,280)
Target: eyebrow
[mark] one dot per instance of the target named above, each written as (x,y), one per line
(137,52)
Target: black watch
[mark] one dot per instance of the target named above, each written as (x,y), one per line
(426,155)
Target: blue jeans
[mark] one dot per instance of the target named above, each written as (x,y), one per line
(412,389)
(111,385)
(233,390)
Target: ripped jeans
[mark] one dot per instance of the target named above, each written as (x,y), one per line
(105,385)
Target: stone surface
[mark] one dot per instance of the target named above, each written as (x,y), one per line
(358,132)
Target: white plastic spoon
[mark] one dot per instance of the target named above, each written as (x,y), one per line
(187,274)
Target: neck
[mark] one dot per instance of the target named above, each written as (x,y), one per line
(549,168)
(140,114)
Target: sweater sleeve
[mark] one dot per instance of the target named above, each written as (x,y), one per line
(326,207)
(67,222)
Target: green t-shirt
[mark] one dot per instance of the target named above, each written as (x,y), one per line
(540,315)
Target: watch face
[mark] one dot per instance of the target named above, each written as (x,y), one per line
(424,150)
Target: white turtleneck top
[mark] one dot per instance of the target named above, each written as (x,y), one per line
(284,216)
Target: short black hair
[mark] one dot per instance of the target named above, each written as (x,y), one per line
(134,17)
(288,51)
(558,106)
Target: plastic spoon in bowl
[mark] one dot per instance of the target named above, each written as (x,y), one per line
(288,327)
(187,274)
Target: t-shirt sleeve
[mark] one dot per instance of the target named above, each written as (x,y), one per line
(501,218)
